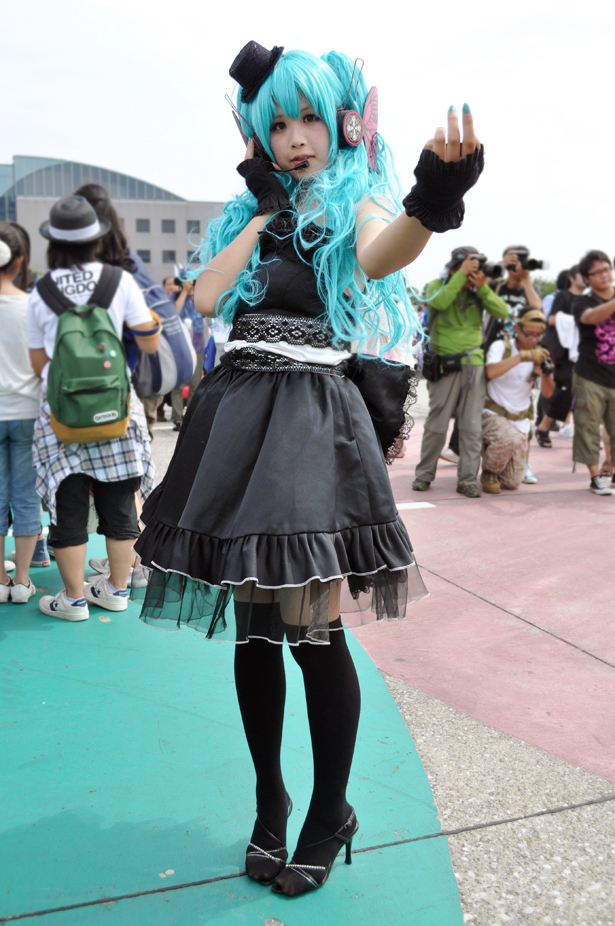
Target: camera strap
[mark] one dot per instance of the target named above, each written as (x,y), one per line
(501,411)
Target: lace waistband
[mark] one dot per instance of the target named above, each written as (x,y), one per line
(264,326)
(252,359)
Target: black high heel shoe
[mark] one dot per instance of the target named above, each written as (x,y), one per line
(264,865)
(299,878)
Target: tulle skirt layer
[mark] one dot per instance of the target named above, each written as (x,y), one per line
(278,483)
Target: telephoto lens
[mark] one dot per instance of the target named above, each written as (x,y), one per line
(491,270)
(527,262)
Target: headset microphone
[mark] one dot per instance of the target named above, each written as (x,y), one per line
(300,166)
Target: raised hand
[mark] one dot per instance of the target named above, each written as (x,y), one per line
(446,170)
(453,148)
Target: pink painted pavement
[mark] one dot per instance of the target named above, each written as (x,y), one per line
(519,628)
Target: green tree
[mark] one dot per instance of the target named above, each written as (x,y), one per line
(544,286)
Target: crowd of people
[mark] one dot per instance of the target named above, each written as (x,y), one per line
(494,345)
(83,484)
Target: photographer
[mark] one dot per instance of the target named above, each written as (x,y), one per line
(570,283)
(512,369)
(454,366)
(594,371)
(517,291)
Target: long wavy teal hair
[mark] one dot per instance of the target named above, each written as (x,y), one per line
(376,314)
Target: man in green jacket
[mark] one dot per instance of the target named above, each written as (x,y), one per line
(455,313)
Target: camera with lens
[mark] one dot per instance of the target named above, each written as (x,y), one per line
(527,262)
(546,367)
(491,270)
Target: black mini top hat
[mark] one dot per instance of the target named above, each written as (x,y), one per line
(73,220)
(252,67)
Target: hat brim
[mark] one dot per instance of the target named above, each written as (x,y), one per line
(104,224)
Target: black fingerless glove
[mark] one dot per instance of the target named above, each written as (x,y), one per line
(436,199)
(262,183)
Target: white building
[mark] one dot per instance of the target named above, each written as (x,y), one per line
(163,228)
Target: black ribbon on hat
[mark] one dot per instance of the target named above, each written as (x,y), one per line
(252,67)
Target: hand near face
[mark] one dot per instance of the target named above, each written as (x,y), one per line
(511,260)
(470,265)
(478,279)
(453,148)
(251,153)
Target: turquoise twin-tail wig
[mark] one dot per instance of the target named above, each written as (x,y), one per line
(375,314)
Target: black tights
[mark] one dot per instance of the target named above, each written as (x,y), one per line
(333,703)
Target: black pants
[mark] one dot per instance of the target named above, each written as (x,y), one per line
(560,403)
(114,503)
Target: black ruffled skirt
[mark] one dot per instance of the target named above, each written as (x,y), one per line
(278,479)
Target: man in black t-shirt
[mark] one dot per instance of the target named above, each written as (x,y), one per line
(517,291)
(594,371)
(570,283)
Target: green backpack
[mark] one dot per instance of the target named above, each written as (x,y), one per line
(88,388)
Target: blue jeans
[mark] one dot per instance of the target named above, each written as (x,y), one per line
(18,479)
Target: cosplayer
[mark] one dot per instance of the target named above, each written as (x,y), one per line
(278,489)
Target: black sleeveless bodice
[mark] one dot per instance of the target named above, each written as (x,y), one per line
(290,283)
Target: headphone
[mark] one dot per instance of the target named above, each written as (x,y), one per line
(350,128)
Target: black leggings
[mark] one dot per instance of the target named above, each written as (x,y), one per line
(333,703)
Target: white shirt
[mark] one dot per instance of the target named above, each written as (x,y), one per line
(19,384)
(128,305)
(512,390)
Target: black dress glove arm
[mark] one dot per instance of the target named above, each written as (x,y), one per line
(262,183)
(436,199)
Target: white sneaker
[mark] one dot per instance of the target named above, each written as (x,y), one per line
(137,577)
(9,565)
(600,486)
(58,606)
(97,591)
(5,591)
(450,456)
(567,430)
(21,593)
(529,478)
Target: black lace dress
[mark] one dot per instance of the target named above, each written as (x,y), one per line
(278,477)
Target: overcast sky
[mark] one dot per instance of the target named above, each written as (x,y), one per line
(139,87)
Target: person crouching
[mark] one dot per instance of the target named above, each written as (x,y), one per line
(512,368)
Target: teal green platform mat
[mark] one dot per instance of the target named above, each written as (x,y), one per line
(125,772)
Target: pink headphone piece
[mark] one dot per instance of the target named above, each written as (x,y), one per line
(370,128)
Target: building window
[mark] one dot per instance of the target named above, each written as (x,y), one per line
(168,257)
(193,227)
(190,255)
(168,226)
(142,225)
(146,256)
